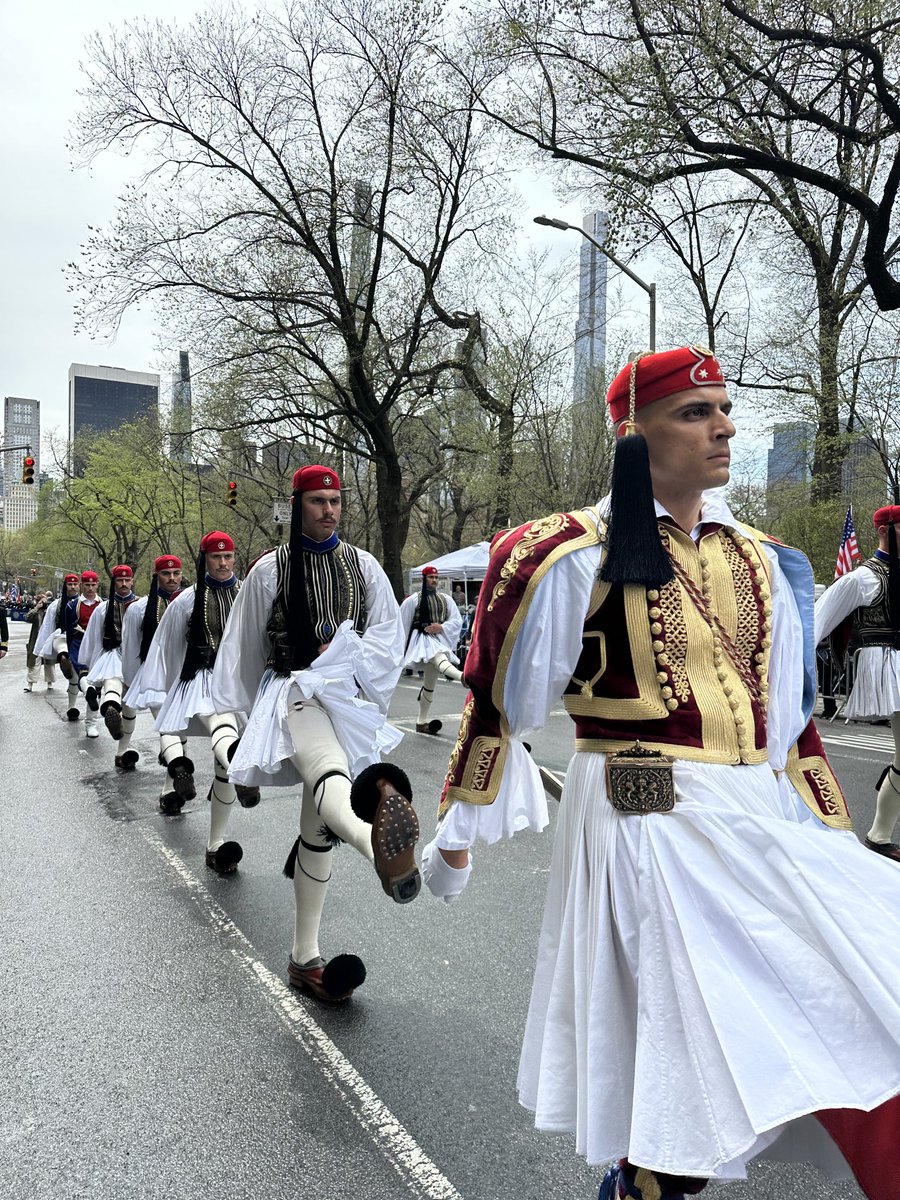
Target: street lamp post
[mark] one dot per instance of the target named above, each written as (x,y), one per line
(649,288)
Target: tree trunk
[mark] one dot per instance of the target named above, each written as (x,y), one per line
(828,455)
(503,495)
(392,507)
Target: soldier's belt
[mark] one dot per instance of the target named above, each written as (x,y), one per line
(640,781)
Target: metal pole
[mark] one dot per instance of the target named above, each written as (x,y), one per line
(649,288)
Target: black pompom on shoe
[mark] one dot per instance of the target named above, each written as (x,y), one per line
(364,793)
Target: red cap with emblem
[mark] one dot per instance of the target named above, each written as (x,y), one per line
(430,571)
(660,375)
(166,562)
(215,541)
(90,577)
(122,571)
(70,578)
(889,515)
(314,479)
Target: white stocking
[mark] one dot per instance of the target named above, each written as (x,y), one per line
(312,871)
(447,669)
(426,694)
(887,804)
(320,754)
(221,801)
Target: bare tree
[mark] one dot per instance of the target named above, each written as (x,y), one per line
(794,101)
(313,194)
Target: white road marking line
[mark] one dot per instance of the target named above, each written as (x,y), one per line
(420,1175)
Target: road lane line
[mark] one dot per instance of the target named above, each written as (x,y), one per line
(422,1177)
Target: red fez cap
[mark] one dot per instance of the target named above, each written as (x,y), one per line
(123,571)
(90,577)
(663,374)
(215,541)
(889,515)
(314,479)
(430,571)
(166,562)
(70,578)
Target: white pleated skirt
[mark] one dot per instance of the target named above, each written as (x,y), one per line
(107,666)
(187,700)
(140,696)
(876,687)
(264,756)
(707,978)
(423,647)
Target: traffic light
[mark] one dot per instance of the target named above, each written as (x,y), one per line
(33,571)
(231,495)
(28,469)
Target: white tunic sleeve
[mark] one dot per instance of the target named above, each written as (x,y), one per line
(162,668)
(378,668)
(543,660)
(244,649)
(784,714)
(92,643)
(46,631)
(855,590)
(132,630)
(452,625)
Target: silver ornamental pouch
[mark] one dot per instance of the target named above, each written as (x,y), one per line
(640,781)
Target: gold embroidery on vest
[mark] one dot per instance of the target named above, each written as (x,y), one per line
(538,531)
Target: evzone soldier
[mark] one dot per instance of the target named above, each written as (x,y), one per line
(711,922)
(313,652)
(868,601)
(141,622)
(34,660)
(431,623)
(179,667)
(76,617)
(51,639)
(101,653)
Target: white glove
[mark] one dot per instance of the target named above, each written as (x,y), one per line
(440,878)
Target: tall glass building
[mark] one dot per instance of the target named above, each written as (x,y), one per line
(21,427)
(103,398)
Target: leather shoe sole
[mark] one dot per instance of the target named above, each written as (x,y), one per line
(225,858)
(888,849)
(395,831)
(112,719)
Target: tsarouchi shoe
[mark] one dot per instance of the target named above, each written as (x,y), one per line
(225,858)
(381,795)
(127,761)
(332,981)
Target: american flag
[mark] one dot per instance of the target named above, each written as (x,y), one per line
(848,555)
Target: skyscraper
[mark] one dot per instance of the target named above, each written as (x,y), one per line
(590,331)
(181,409)
(21,427)
(103,398)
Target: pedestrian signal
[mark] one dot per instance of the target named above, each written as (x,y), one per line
(28,469)
(231,496)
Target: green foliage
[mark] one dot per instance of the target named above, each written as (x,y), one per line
(816,530)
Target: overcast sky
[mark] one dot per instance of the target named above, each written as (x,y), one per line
(46,206)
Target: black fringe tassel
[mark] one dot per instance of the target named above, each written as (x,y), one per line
(634,551)
(893,579)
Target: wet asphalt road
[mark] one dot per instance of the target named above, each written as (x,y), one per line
(149,1047)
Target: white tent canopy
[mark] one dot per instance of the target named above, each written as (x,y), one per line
(468,563)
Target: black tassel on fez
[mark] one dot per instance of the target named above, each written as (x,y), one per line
(634,551)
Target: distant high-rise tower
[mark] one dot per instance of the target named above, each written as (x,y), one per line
(181,409)
(103,398)
(21,427)
(590,332)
